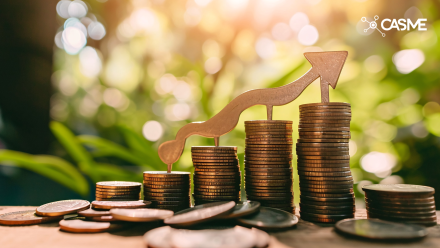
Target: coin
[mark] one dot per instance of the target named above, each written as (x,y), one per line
(204,193)
(166,179)
(283,177)
(407,200)
(119,204)
(326,104)
(380,229)
(216,173)
(166,174)
(264,155)
(269,218)
(126,194)
(268,122)
(325,110)
(328,190)
(26,217)
(324,182)
(235,163)
(399,203)
(106,218)
(343,178)
(177,190)
(117,185)
(398,212)
(397,217)
(322,141)
(327,199)
(326,218)
(221,190)
(326,186)
(141,215)
(325,169)
(329,212)
(327,203)
(215,183)
(62,207)
(242,209)
(323,207)
(321,145)
(399,189)
(331,115)
(269,142)
(271,194)
(80,226)
(118,190)
(323,165)
(214,157)
(217,197)
(401,207)
(212,161)
(324,174)
(200,214)
(93,213)
(214,148)
(301,155)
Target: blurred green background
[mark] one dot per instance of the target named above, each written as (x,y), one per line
(91,88)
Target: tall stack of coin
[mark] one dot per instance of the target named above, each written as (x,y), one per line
(217,175)
(118,191)
(268,163)
(169,191)
(406,203)
(326,183)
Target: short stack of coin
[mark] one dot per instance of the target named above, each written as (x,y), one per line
(322,149)
(406,203)
(268,163)
(169,191)
(118,191)
(217,174)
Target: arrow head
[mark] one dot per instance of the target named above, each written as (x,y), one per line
(328,65)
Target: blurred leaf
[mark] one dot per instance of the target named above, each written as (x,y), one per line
(104,148)
(110,172)
(74,148)
(141,147)
(51,167)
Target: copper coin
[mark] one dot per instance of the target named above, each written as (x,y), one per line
(322,117)
(400,202)
(215,161)
(324,169)
(219,170)
(323,161)
(183,174)
(165,182)
(269,136)
(305,193)
(214,148)
(285,149)
(398,199)
(200,213)
(313,207)
(262,174)
(269,218)
(277,194)
(106,218)
(328,190)
(104,193)
(215,183)
(215,173)
(401,207)
(328,199)
(323,107)
(267,166)
(167,179)
(93,213)
(160,190)
(327,203)
(323,129)
(265,151)
(204,193)
(325,110)
(301,154)
(273,146)
(217,197)
(318,137)
(269,142)
(217,187)
(283,177)
(401,213)
(117,185)
(26,217)
(214,153)
(287,134)
(269,122)
(403,189)
(141,215)
(118,190)
(371,214)
(325,218)
(326,186)
(216,177)
(116,199)
(321,125)
(346,182)
(319,166)
(322,145)
(119,204)
(271,188)
(324,174)
(175,194)
(207,157)
(267,184)
(323,140)
(216,164)
(260,162)
(321,104)
(312,114)
(161,198)
(204,167)
(285,170)
(80,226)
(62,207)
(217,190)
(253,158)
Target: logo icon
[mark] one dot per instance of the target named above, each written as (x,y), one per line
(373,24)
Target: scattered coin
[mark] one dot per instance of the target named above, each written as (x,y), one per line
(81,226)
(141,215)
(242,209)
(120,204)
(106,218)
(93,213)
(62,207)
(26,217)
(200,214)
(269,218)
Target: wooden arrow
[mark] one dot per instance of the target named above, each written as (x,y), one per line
(325,65)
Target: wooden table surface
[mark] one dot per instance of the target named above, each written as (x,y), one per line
(304,234)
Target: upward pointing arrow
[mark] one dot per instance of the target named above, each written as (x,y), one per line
(325,65)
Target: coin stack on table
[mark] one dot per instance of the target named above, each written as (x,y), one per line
(325,180)
(217,174)
(413,204)
(118,191)
(169,191)
(268,163)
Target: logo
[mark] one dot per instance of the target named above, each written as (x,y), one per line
(372,24)
(398,24)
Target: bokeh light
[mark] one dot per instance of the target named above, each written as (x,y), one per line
(378,163)
(308,35)
(407,61)
(152,130)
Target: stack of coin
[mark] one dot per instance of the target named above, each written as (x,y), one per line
(268,163)
(117,191)
(169,191)
(326,183)
(413,204)
(217,175)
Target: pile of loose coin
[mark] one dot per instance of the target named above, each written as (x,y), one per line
(217,174)
(169,191)
(412,204)
(326,183)
(117,191)
(268,163)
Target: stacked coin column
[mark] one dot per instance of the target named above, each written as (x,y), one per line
(117,191)
(413,204)
(169,191)
(325,179)
(268,163)
(217,174)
